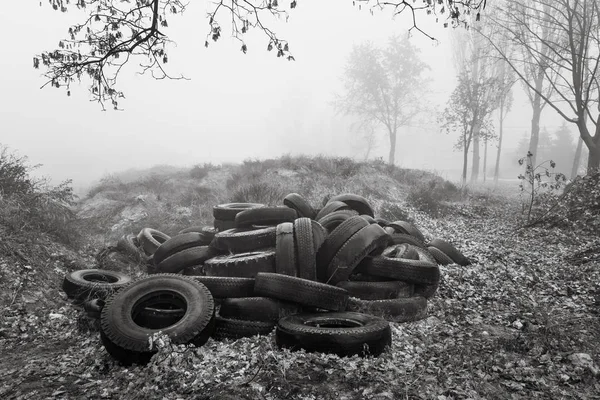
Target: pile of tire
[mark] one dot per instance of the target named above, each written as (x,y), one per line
(327,280)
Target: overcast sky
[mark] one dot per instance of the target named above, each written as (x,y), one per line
(234,107)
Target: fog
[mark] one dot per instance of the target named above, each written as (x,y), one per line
(233,107)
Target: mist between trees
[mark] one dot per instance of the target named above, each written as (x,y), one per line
(550,49)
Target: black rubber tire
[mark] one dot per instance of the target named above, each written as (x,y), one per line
(450,251)
(228,211)
(394,310)
(355,202)
(441,257)
(178,243)
(306,259)
(334,242)
(186,258)
(221,225)
(226,328)
(285,250)
(426,291)
(242,265)
(360,277)
(245,240)
(149,240)
(403,250)
(400,238)
(263,309)
(301,291)
(265,216)
(422,271)
(378,290)
(87,284)
(369,219)
(334,219)
(341,333)
(191,229)
(128,342)
(222,287)
(389,230)
(370,240)
(299,203)
(159,318)
(129,245)
(382,222)
(331,207)
(319,235)
(407,228)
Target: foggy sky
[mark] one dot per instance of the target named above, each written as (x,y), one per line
(234,107)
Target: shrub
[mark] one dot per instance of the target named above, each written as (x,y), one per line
(258,192)
(431,196)
(201,171)
(33,205)
(394,212)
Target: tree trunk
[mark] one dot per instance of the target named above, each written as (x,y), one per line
(392,156)
(475,166)
(535,130)
(497,169)
(485,145)
(465,161)
(577,158)
(593,160)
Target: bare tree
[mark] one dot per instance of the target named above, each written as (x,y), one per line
(567,57)
(469,109)
(384,86)
(506,80)
(116,31)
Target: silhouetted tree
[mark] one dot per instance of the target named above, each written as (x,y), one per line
(384,86)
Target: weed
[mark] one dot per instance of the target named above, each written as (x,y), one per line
(258,192)
(431,196)
(394,212)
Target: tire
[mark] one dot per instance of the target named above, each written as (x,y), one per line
(228,211)
(128,245)
(341,333)
(331,207)
(450,251)
(265,216)
(242,265)
(403,250)
(400,238)
(319,235)
(426,291)
(226,328)
(334,219)
(334,242)
(159,318)
(299,203)
(178,243)
(87,284)
(264,309)
(355,202)
(371,239)
(441,257)
(422,271)
(221,225)
(393,310)
(382,222)
(369,219)
(128,342)
(407,228)
(245,240)
(306,259)
(301,291)
(149,240)
(186,258)
(360,277)
(285,250)
(222,287)
(378,290)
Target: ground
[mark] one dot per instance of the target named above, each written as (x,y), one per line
(521,322)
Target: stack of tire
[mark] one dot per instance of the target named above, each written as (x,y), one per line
(327,280)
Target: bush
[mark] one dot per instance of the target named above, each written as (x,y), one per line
(258,192)
(394,212)
(431,196)
(33,205)
(201,171)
